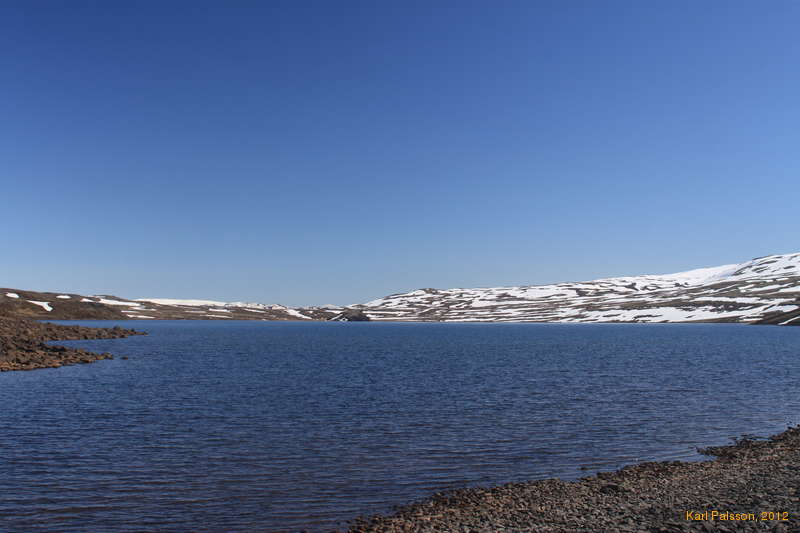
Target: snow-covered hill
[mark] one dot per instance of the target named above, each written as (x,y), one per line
(766,289)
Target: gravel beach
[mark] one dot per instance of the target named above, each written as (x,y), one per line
(749,486)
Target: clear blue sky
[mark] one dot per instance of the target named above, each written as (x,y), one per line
(337,151)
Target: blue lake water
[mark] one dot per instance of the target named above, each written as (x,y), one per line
(283,426)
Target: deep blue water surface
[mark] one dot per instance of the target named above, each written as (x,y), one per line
(279,426)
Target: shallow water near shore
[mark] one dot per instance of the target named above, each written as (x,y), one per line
(282,426)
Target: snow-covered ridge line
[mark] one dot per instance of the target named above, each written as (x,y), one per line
(173,301)
(752,291)
(209,303)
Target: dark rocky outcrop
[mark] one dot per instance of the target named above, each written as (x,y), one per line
(351,315)
(792,318)
(23,343)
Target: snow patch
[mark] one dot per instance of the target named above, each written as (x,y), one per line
(117,302)
(298,314)
(43,305)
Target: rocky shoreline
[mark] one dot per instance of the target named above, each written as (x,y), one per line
(752,485)
(22,344)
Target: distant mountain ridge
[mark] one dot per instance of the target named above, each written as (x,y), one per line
(763,290)
(67,306)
